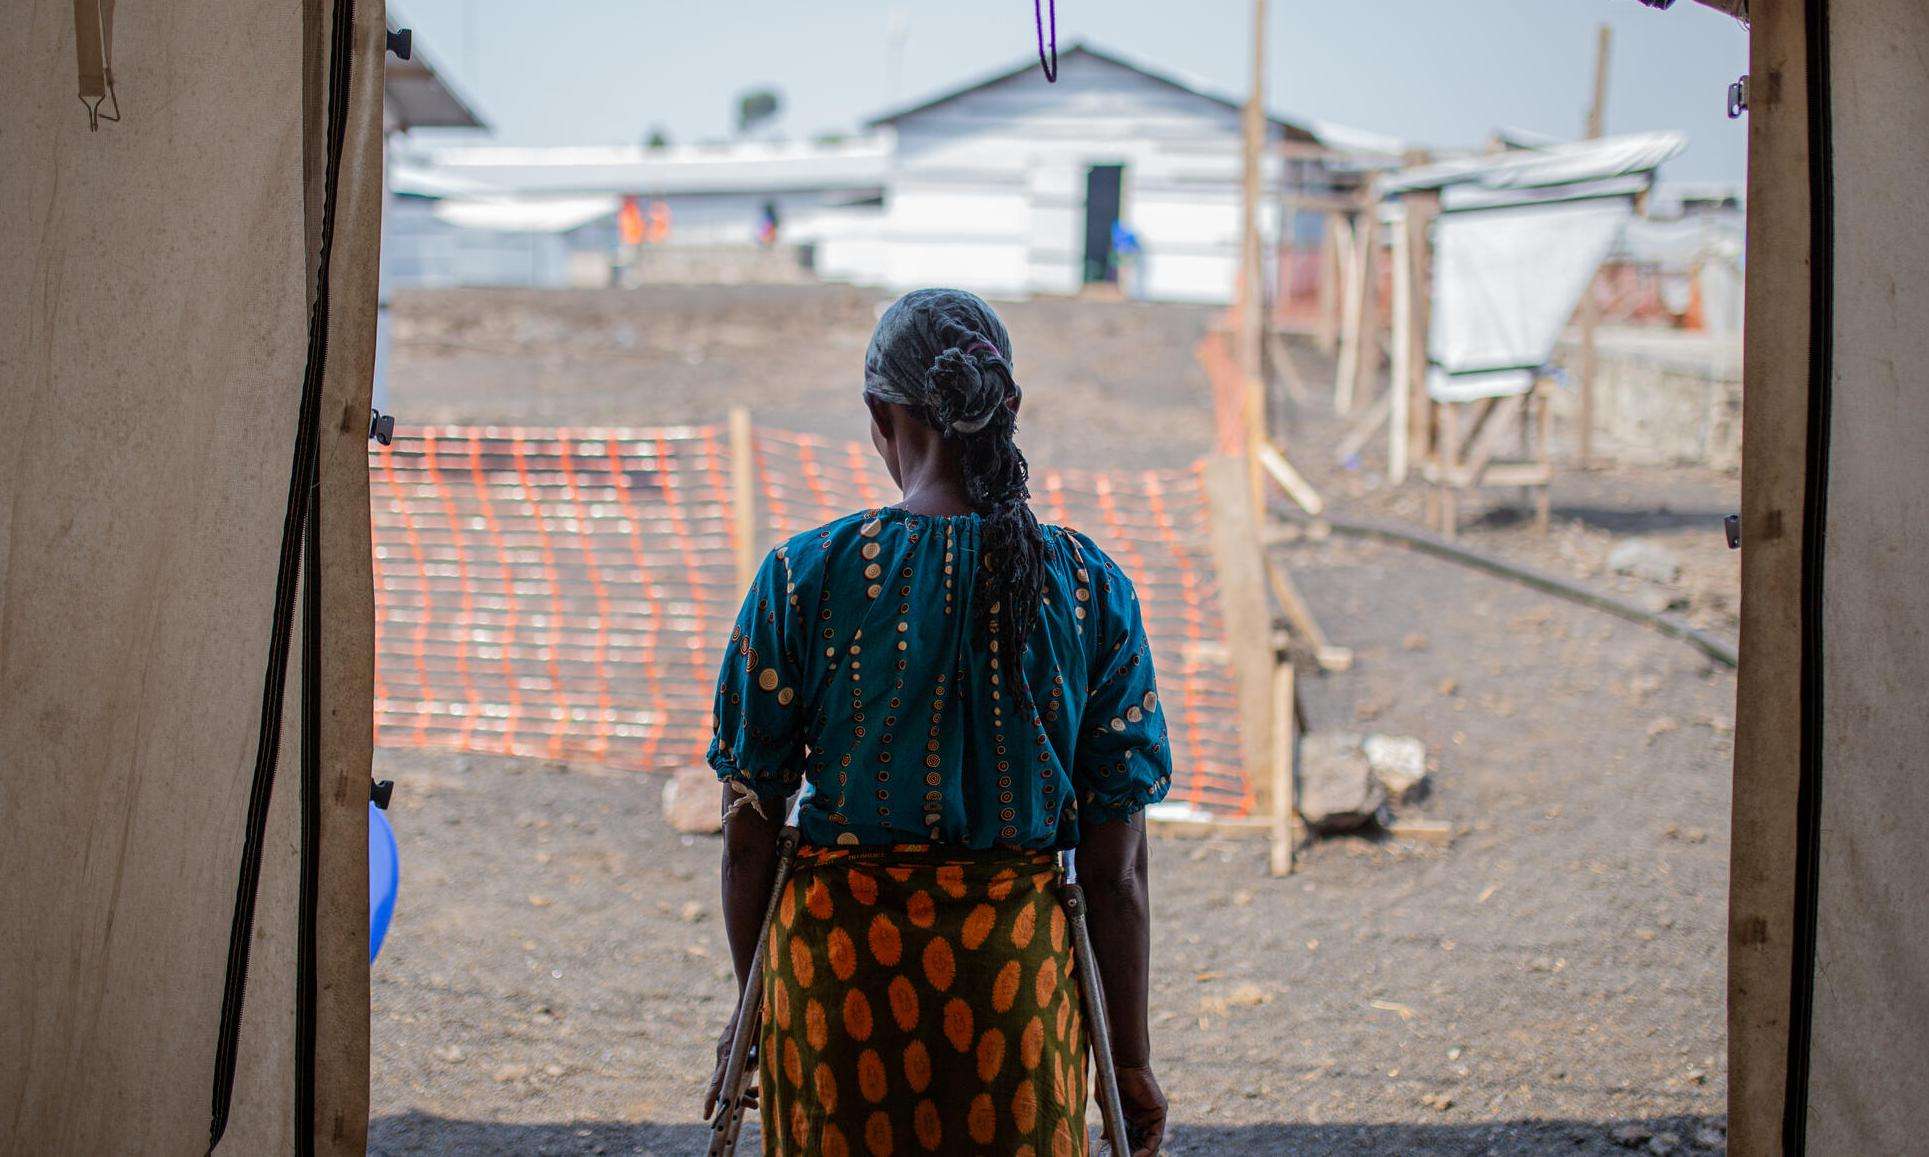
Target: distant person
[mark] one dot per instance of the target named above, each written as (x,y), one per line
(1125,257)
(959,692)
(767,225)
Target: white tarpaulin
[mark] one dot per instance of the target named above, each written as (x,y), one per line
(1505,283)
(1571,163)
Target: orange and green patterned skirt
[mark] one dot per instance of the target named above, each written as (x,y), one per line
(918,999)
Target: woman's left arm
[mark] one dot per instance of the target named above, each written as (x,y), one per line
(749,870)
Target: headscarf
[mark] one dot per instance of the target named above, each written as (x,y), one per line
(945,354)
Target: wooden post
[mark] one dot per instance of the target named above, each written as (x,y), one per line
(1597,111)
(1326,330)
(1285,800)
(743,496)
(1398,396)
(1367,366)
(1422,207)
(1251,332)
(1350,280)
(1237,556)
(1590,305)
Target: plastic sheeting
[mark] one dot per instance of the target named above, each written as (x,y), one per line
(1506,281)
(1572,163)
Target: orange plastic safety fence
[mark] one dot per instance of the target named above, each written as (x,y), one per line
(566,594)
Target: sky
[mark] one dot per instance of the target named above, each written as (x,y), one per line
(1431,72)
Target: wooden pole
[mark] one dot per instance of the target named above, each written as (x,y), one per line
(1350,279)
(1241,564)
(743,496)
(1285,800)
(1597,111)
(1326,331)
(1590,305)
(1422,207)
(1397,395)
(1252,293)
(1367,366)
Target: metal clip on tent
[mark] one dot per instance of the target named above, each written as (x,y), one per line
(1738,98)
(381,427)
(401,41)
(1732,525)
(380,792)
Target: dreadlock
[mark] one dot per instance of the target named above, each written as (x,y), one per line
(944,354)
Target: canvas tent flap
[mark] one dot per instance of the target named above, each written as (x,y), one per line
(1870,1028)
(1828,942)
(153,339)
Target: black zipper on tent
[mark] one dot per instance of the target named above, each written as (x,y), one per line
(306,981)
(297,525)
(1821,390)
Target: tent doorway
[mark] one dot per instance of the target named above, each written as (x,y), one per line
(1102,188)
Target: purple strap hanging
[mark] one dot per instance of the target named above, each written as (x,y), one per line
(1038,18)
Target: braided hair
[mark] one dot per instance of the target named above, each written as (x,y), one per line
(944,354)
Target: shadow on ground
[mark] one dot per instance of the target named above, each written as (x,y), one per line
(421,1133)
(1624,522)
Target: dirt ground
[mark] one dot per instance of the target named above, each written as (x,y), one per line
(1552,981)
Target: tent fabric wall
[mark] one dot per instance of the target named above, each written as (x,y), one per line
(153,339)
(1829,1031)
(1870,1028)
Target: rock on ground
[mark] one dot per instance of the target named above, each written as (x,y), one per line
(690,802)
(1645,559)
(1337,789)
(1399,762)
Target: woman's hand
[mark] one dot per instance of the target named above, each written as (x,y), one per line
(723,1063)
(1144,1105)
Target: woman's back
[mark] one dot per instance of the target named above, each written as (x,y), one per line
(961,690)
(862,663)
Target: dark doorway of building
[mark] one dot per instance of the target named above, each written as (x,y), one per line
(1102,184)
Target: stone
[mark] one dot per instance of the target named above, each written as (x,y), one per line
(1630,1136)
(1337,788)
(1644,558)
(1399,762)
(1658,600)
(692,802)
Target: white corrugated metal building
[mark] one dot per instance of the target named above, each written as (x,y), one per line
(1008,186)
(1011,185)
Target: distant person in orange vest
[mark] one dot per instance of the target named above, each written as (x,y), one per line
(659,222)
(629,238)
(629,224)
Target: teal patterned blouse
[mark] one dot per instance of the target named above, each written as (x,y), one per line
(854,668)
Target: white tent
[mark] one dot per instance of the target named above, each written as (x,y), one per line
(186,642)
(1828,931)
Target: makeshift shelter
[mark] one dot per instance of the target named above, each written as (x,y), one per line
(186,330)
(1493,254)
(1828,933)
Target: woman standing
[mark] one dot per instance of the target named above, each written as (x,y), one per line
(960,692)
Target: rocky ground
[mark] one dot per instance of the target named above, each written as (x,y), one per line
(1550,981)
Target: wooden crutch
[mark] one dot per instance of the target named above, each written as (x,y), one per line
(1098,1023)
(741,1069)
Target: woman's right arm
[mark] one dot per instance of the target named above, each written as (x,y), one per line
(1112,869)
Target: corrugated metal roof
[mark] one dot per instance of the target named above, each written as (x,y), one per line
(743,167)
(1293,130)
(415,96)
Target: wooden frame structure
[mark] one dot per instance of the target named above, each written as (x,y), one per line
(1471,460)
